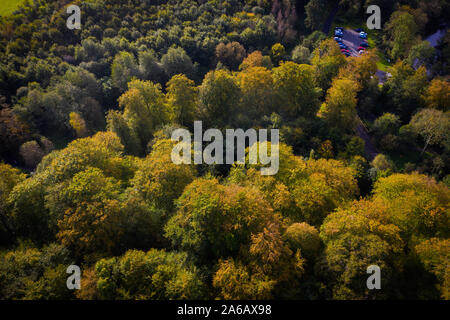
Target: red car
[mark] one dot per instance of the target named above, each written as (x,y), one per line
(344,50)
(361,48)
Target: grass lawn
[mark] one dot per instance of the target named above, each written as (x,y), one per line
(8,6)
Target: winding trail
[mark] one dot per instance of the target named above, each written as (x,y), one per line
(329,21)
(369,149)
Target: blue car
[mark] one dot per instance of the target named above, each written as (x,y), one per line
(342,46)
(364,44)
(363,35)
(337,39)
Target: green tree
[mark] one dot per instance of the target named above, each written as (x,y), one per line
(277,53)
(168,275)
(177,61)
(218,97)
(301,55)
(339,108)
(145,109)
(182,100)
(327,60)
(355,237)
(296,90)
(401,31)
(213,220)
(432,125)
(123,69)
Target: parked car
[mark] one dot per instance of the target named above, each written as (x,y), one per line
(361,51)
(338,34)
(361,48)
(347,54)
(339,28)
(342,46)
(358,30)
(337,38)
(364,44)
(363,35)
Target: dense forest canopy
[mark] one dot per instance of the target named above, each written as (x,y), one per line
(86,175)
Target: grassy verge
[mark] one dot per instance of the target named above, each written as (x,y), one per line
(8,6)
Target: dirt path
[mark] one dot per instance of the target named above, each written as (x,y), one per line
(352,40)
(369,149)
(329,21)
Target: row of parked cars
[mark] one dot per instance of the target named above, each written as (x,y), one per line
(339,33)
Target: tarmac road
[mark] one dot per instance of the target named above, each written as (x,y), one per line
(352,40)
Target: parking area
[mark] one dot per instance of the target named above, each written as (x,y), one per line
(351,39)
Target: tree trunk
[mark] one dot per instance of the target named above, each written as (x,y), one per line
(426,145)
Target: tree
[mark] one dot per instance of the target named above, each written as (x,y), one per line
(296,90)
(388,123)
(10,177)
(176,61)
(320,186)
(123,69)
(422,53)
(339,108)
(230,54)
(31,153)
(405,89)
(277,53)
(327,60)
(434,254)
(13,132)
(417,204)
(78,124)
(304,237)
(145,109)
(234,281)
(213,221)
(437,95)
(168,275)
(402,32)
(159,180)
(355,147)
(182,100)
(256,59)
(256,87)
(119,125)
(149,67)
(360,69)
(315,11)
(313,40)
(90,221)
(31,273)
(382,162)
(433,125)
(301,55)
(356,236)
(218,97)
